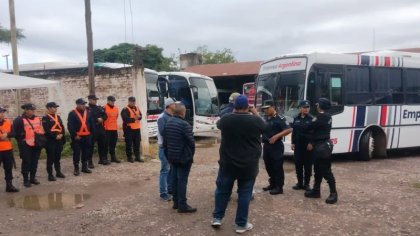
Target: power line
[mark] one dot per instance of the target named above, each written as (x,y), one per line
(132,25)
(125,25)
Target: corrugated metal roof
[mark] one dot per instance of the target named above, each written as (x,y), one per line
(228,69)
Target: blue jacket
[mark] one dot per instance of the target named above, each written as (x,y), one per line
(226,110)
(178,141)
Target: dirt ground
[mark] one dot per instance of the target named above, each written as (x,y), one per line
(380,197)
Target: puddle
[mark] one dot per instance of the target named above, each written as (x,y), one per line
(52,201)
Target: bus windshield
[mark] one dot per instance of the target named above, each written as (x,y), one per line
(284,89)
(205,97)
(154,101)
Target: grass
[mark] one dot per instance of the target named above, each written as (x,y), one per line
(416,185)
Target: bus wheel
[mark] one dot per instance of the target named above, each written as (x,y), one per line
(367,146)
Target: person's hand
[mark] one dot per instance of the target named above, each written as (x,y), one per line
(100,120)
(310,147)
(60,136)
(253,110)
(293,147)
(273,139)
(77,137)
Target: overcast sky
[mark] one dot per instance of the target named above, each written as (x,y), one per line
(253,29)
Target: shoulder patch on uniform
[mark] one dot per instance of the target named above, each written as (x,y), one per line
(282,117)
(314,119)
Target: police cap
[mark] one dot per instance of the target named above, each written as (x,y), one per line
(28,106)
(81,101)
(51,104)
(111,98)
(304,103)
(324,103)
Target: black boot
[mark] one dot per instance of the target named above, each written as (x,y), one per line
(10,188)
(90,165)
(34,180)
(85,168)
(138,159)
(276,190)
(130,159)
(76,171)
(26,181)
(298,186)
(187,209)
(51,177)
(114,159)
(333,198)
(268,188)
(315,192)
(60,174)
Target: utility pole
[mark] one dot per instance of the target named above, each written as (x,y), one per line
(91,70)
(140,91)
(13,42)
(7,60)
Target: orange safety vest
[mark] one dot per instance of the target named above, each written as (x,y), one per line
(83,131)
(6,145)
(136,123)
(56,127)
(111,122)
(31,127)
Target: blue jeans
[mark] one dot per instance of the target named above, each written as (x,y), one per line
(224,185)
(180,173)
(165,174)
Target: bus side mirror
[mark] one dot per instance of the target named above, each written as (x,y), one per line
(195,91)
(162,86)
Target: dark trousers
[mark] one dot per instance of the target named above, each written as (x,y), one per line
(132,142)
(30,158)
(180,173)
(81,148)
(273,160)
(6,159)
(98,137)
(322,169)
(54,149)
(224,185)
(303,163)
(111,141)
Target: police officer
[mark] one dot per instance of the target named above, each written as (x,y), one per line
(6,151)
(277,128)
(322,148)
(131,116)
(111,127)
(300,139)
(80,126)
(25,127)
(98,136)
(54,131)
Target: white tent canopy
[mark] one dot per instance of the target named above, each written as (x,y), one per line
(9,81)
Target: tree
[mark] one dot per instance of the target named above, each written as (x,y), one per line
(220,56)
(151,55)
(5,35)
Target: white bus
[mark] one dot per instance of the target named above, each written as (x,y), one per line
(375,96)
(199,95)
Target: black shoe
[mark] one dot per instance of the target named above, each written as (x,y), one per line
(34,181)
(115,160)
(51,177)
(106,162)
(130,159)
(187,209)
(276,190)
(268,188)
(76,172)
(86,170)
(10,188)
(175,206)
(90,165)
(333,198)
(307,188)
(139,160)
(60,175)
(101,162)
(313,193)
(27,184)
(298,186)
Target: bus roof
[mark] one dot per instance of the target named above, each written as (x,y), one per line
(185,74)
(376,58)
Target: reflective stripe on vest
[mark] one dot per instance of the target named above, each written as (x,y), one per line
(136,123)
(31,127)
(83,131)
(5,145)
(56,127)
(112,118)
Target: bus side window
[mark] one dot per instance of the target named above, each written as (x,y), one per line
(336,90)
(311,88)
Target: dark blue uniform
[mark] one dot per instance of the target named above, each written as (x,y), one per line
(98,136)
(273,153)
(302,157)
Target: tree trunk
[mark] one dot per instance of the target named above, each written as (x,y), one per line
(91,71)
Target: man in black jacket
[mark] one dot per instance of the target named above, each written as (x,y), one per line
(131,116)
(240,152)
(99,116)
(80,126)
(179,146)
(54,132)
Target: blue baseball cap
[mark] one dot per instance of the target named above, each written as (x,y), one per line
(241,102)
(304,103)
(324,103)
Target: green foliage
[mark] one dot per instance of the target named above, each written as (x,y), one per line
(220,56)
(5,35)
(151,55)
